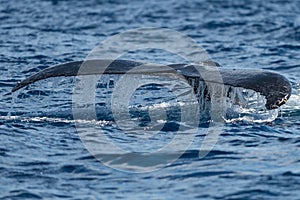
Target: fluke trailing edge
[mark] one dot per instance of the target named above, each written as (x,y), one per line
(275,87)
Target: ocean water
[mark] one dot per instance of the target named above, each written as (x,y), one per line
(43,154)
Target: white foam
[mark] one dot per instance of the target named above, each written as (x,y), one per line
(55,120)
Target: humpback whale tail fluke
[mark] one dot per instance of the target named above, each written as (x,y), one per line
(275,87)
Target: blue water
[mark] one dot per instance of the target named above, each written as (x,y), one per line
(41,153)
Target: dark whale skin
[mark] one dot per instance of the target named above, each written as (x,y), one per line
(275,87)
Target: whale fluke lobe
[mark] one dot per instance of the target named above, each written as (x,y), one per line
(72,69)
(275,87)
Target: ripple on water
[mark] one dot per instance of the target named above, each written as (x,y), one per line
(41,154)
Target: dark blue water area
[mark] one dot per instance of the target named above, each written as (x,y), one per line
(43,154)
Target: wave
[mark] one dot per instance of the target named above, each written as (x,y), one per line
(53,120)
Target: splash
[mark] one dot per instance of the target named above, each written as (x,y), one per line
(240,104)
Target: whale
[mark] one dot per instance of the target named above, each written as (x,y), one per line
(275,87)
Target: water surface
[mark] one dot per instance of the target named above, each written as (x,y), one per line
(41,154)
